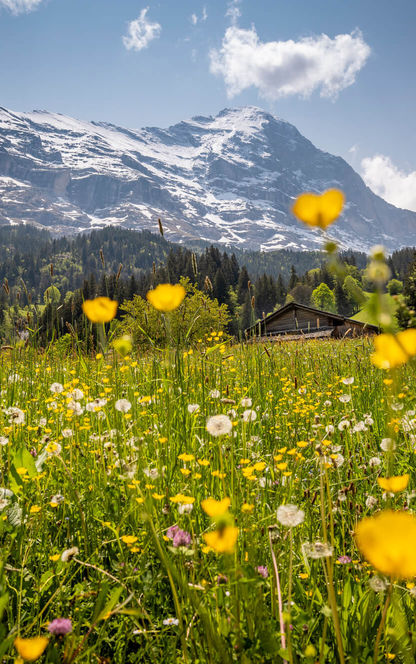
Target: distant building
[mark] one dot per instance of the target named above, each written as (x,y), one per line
(295,320)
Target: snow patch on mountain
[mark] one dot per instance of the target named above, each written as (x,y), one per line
(229,179)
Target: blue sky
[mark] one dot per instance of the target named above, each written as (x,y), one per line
(342,71)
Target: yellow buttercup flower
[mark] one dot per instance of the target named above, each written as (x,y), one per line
(388,542)
(393,350)
(100,310)
(319,210)
(31,649)
(166,297)
(215,508)
(129,539)
(222,540)
(123,345)
(393,484)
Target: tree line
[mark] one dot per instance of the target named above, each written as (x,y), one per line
(45,280)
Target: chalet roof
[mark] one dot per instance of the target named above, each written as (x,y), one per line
(293,306)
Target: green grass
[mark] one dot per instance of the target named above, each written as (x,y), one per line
(123,475)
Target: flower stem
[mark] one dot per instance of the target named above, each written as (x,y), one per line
(382,623)
(279,596)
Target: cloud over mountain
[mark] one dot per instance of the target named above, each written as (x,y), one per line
(285,68)
(20,6)
(141,32)
(389,182)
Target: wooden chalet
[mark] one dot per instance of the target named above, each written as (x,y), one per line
(295,320)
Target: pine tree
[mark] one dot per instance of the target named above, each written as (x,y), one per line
(342,301)
(246,315)
(242,286)
(293,278)
(406,315)
(220,290)
(281,291)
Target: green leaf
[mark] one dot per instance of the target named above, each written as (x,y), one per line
(114,597)
(3,603)
(21,458)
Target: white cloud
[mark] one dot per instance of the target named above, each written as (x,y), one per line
(389,182)
(141,32)
(20,6)
(194,18)
(284,68)
(233,12)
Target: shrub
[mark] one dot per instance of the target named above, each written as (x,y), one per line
(197,314)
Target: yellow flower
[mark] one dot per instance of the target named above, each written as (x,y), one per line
(260,465)
(186,457)
(123,345)
(129,539)
(166,297)
(222,540)
(394,484)
(247,508)
(215,508)
(281,466)
(388,542)
(100,310)
(181,498)
(31,649)
(393,350)
(319,210)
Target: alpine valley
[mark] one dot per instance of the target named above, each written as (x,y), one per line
(228,180)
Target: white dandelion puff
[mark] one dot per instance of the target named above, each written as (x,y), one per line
(317,550)
(56,388)
(249,415)
(374,461)
(290,515)
(377,584)
(69,553)
(219,425)
(16,415)
(388,445)
(246,402)
(345,398)
(123,405)
(370,502)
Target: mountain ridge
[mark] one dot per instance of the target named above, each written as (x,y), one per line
(228,179)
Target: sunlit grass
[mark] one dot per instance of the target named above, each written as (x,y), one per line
(104,455)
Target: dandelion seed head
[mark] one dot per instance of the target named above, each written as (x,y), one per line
(219,425)
(290,515)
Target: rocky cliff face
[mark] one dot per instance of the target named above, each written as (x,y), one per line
(229,179)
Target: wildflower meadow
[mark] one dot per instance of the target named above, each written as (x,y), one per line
(221,502)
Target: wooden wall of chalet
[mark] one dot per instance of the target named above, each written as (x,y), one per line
(297,319)
(351,329)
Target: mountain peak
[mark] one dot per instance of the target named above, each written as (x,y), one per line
(229,179)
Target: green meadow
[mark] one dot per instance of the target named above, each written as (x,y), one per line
(105,461)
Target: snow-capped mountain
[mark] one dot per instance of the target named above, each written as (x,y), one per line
(229,179)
